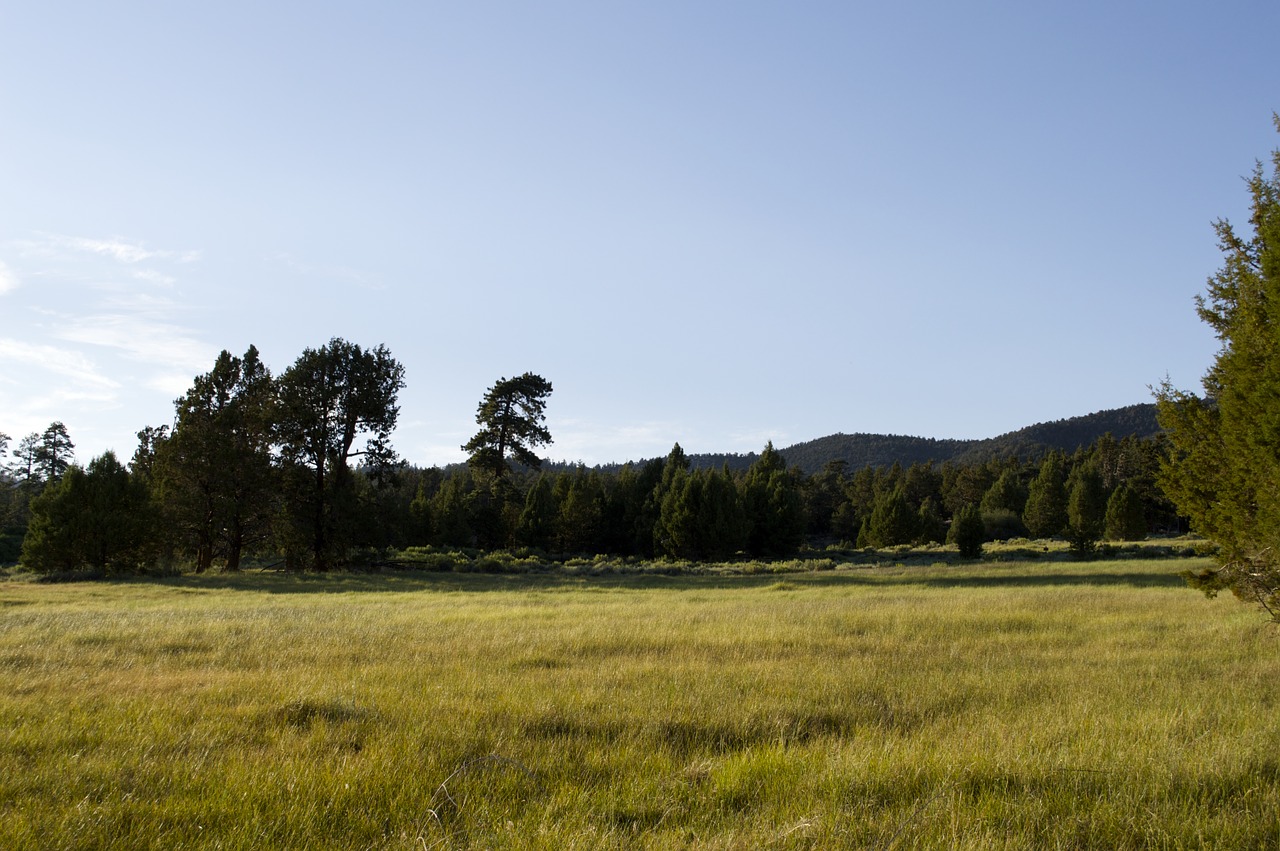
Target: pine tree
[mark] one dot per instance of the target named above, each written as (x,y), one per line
(892,521)
(537,526)
(1225,457)
(1045,514)
(513,419)
(97,517)
(1086,509)
(1126,520)
(1008,493)
(774,508)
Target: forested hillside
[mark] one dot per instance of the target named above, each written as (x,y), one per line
(1030,443)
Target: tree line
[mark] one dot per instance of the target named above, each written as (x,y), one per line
(298,470)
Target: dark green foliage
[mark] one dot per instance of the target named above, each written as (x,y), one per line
(892,521)
(581,512)
(883,450)
(774,508)
(1225,458)
(931,526)
(97,518)
(1007,494)
(329,399)
(1045,514)
(537,526)
(54,453)
(1086,509)
(421,526)
(967,485)
(822,493)
(212,477)
(967,531)
(512,416)
(1001,524)
(450,515)
(1126,520)
(701,516)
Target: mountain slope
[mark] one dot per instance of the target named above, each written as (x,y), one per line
(881,450)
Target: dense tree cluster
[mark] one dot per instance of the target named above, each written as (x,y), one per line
(251,465)
(666,507)
(297,469)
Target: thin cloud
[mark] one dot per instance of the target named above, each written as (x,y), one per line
(8,280)
(140,338)
(67,363)
(126,252)
(54,246)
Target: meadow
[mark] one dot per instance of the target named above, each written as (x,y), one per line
(1011,705)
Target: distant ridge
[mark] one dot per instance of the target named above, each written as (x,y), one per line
(883,450)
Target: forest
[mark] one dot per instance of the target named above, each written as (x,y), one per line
(298,471)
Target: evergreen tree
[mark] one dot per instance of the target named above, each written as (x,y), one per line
(1045,514)
(1086,509)
(580,512)
(212,475)
(969,485)
(892,521)
(54,453)
(967,531)
(1125,518)
(537,526)
(701,516)
(328,400)
(1225,457)
(450,512)
(1007,493)
(634,508)
(822,493)
(931,527)
(421,524)
(773,505)
(513,416)
(97,518)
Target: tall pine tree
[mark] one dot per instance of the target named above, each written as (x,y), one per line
(1225,458)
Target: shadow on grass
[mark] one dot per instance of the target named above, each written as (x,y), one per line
(1105,574)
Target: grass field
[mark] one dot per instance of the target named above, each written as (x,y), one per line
(1014,705)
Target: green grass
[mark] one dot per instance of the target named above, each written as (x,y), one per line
(1015,705)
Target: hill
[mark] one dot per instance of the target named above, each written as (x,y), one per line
(881,450)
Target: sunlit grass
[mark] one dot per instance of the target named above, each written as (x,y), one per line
(1014,705)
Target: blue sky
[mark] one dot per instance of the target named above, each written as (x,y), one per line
(707,222)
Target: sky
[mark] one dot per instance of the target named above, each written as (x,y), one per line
(712,223)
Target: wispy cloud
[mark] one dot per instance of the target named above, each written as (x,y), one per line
(8,280)
(124,251)
(54,247)
(140,337)
(64,362)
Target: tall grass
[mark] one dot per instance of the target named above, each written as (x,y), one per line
(1020,705)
